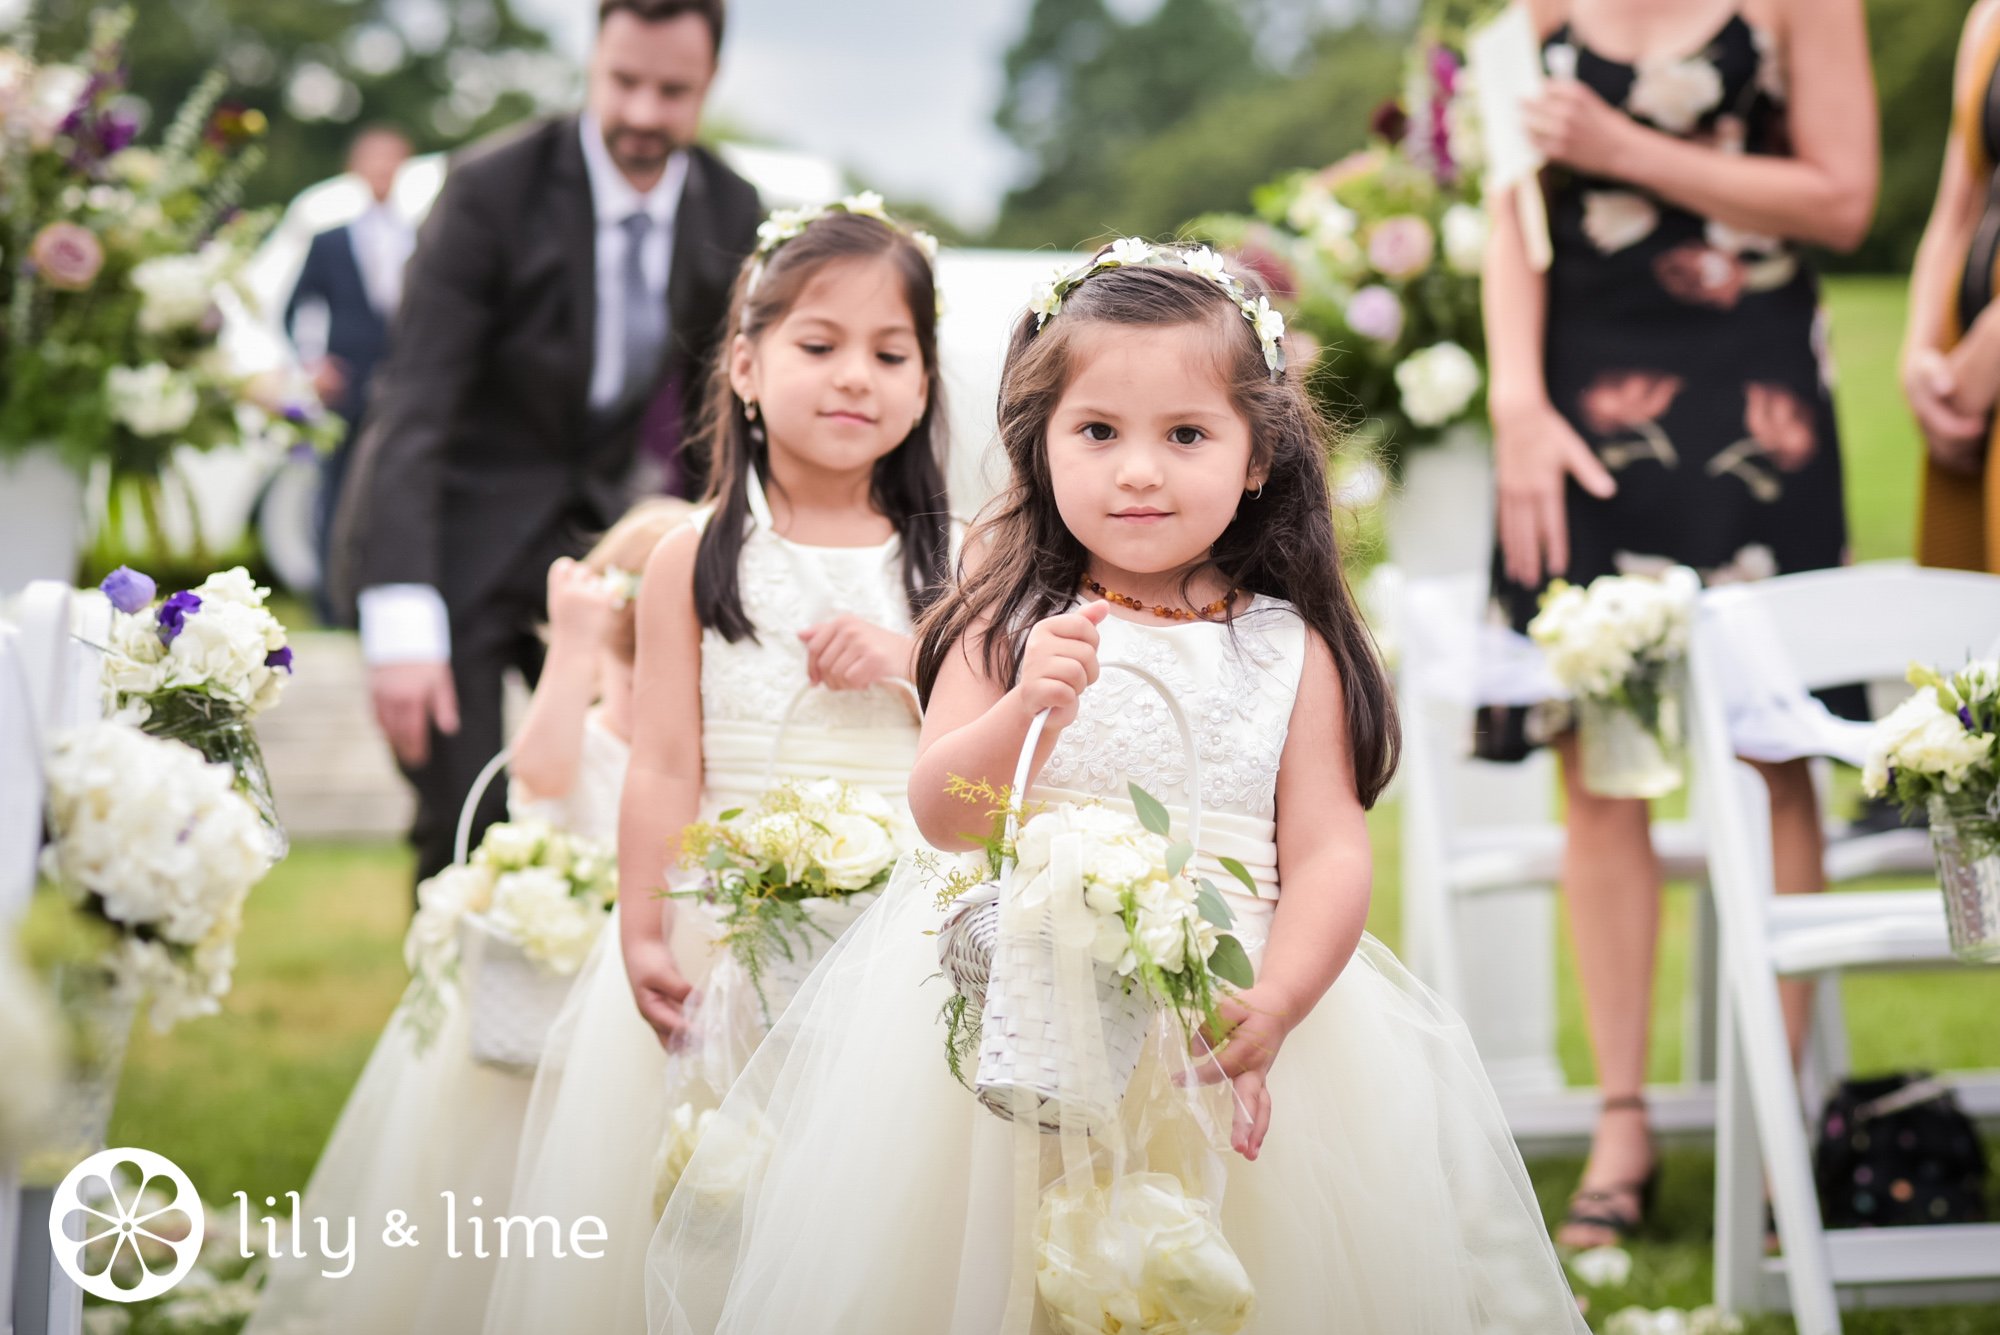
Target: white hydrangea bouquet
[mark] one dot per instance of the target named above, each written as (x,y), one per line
(1937,751)
(788,874)
(156,844)
(1112,883)
(1619,647)
(197,667)
(509,927)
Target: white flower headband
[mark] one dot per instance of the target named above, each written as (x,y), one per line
(1127,252)
(785,224)
(623,584)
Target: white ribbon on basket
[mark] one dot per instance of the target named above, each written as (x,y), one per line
(1083,1078)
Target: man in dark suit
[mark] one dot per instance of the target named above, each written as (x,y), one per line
(338,316)
(567,292)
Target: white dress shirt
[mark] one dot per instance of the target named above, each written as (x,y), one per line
(382,245)
(407,623)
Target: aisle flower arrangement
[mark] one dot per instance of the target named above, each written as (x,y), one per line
(1377,259)
(198,666)
(119,262)
(1619,648)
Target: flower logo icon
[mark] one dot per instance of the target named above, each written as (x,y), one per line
(126,1225)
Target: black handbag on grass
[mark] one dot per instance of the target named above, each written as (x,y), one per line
(1897,1150)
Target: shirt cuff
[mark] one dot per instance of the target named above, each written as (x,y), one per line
(404,623)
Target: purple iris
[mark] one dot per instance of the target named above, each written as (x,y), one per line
(296,412)
(1965,717)
(174,613)
(128,590)
(279,658)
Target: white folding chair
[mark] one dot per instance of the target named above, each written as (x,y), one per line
(1864,623)
(1481,850)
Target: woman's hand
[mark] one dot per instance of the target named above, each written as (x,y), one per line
(1953,432)
(1255,1024)
(1535,451)
(582,605)
(1060,662)
(1571,125)
(849,654)
(658,988)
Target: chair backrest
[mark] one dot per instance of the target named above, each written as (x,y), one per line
(1870,622)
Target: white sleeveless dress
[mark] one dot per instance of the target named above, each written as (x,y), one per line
(1388,1198)
(601,1098)
(421,1123)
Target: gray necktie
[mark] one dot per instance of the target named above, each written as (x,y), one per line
(645,334)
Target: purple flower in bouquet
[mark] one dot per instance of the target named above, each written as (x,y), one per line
(128,590)
(67,256)
(1965,717)
(1389,121)
(174,613)
(1374,312)
(279,658)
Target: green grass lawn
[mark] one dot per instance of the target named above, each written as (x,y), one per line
(243,1101)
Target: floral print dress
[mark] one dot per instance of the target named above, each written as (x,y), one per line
(1690,355)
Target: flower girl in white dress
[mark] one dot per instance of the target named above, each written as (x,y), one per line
(1164,462)
(828,530)
(425,1118)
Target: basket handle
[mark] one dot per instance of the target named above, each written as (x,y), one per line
(799,697)
(1027,761)
(461,841)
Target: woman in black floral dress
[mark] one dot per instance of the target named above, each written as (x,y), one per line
(1661,395)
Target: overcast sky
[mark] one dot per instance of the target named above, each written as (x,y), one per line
(900,92)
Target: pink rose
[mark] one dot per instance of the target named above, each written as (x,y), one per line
(67,256)
(1374,312)
(1401,247)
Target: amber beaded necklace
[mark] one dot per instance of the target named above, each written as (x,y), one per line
(1218,608)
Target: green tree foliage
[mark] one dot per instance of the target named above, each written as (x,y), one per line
(442,71)
(1915,43)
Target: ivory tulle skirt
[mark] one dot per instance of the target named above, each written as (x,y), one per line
(860,1188)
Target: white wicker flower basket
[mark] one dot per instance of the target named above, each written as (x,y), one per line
(1025,1039)
(510,999)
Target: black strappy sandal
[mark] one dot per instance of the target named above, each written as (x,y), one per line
(1598,1207)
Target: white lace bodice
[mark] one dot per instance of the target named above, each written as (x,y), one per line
(787,587)
(1236,683)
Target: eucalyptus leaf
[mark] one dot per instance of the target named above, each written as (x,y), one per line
(1152,813)
(1241,873)
(1177,857)
(1214,908)
(730,814)
(1231,964)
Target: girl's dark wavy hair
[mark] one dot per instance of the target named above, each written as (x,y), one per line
(908,484)
(1024,565)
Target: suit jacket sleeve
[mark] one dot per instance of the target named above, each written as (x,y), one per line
(451,292)
(312,281)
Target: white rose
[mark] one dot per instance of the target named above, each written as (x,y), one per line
(1615,219)
(1675,94)
(175,291)
(1464,231)
(152,400)
(1437,383)
(730,1155)
(512,845)
(855,852)
(685,1129)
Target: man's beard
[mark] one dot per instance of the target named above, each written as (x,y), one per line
(639,152)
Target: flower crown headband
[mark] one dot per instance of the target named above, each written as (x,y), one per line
(1131,251)
(785,224)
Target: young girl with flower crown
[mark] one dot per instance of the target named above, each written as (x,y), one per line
(425,1117)
(1168,510)
(825,533)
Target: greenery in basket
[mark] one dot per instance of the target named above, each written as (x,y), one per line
(544,889)
(119,263)
(1156,924)
(1940,743)
(1376,260)
(800,841)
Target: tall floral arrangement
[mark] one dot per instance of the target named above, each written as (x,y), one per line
(119,260)
(1376,258)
